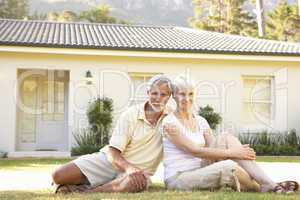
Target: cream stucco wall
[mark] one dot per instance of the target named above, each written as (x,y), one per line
(110,79)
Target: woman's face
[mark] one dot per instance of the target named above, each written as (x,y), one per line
(184,97)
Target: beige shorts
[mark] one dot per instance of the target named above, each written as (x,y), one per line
(98,170)
(211,174)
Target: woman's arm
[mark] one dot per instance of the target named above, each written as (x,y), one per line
(174,134)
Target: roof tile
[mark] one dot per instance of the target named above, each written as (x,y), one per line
(135,37)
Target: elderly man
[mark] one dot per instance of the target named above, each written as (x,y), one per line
(133,153)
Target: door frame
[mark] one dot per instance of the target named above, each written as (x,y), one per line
(33,146)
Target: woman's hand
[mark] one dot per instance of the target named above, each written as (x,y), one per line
(243,152)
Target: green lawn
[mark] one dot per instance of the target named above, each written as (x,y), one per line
(42,164)
(49,163)
(155,192)
(292,159)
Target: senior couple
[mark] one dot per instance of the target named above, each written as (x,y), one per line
(148,133)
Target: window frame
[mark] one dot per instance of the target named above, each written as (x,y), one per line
(136,99)
(259,126)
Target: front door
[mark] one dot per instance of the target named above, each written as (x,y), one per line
(43,110)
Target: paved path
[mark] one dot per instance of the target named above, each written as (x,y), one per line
(18,180)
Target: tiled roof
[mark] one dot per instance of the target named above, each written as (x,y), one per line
(135,37)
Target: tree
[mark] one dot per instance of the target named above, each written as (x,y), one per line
(52,16)
(225,16)
(100,14)
(260,18)
(65,16)
(299,7)
(13,9)
(284,22)
(37,16)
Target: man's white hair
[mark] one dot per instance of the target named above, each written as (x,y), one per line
(182,81)
(158,79)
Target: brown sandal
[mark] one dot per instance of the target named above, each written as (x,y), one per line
(279,189)
(65,189)
(289,186)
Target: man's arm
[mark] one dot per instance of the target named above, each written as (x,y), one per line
(118,161)
(137,175)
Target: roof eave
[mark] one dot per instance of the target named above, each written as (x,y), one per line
(147,52)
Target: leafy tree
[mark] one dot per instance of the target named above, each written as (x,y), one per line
(52,16)
(225,16)
(65,16)
(100,14)
(37,16)
(13,9)
(284,23)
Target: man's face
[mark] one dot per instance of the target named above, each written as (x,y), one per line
(159,95)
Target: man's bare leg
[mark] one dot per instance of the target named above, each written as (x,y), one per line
(68,174)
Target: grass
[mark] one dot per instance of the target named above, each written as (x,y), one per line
(155,192)
(44,164)
(291,159)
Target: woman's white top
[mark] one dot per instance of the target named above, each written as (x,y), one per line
(176,160)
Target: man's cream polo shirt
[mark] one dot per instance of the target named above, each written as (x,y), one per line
(138,140)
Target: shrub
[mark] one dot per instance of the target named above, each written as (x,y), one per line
(100,119)
(96,136)
(86,143)
(3,154)
(213,118)
(264,143)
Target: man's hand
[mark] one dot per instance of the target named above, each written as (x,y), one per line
(137,177)
(243,152)
(171,129)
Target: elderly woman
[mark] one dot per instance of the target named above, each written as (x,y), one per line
(195,159)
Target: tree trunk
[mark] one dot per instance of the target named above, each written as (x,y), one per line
(260,17)
(299,7)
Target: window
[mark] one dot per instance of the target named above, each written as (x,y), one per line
(139,85)
(257,101)
(53,99)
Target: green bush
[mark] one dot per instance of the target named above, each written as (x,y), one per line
(264,143)
(100,119)
(96,136)
(86,142)
(3,154)
(213,118)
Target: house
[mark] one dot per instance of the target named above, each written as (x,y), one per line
(50,71)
